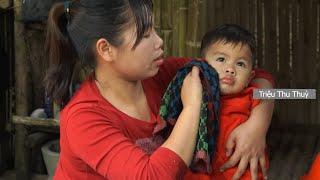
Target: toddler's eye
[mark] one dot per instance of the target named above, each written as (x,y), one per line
(220,59)
(242,64)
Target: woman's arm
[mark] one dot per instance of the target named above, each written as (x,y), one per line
(249,138)
(182,139)
(100,143)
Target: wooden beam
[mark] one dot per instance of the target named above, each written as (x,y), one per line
(4,4)
(29,121)
(22,67)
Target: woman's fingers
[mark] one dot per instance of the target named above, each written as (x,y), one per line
(254,168)
(230,145)
(263,165)
(241,168)
(234,159)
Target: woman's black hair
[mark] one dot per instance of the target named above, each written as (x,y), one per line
(73,30)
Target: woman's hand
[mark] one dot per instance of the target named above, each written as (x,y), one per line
(182,139)
(248,142)
(191,91)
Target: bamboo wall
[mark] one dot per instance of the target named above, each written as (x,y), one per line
(287,33)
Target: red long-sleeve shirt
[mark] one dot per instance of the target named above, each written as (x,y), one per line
(98,141)
(235,110)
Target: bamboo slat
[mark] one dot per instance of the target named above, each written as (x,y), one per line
(166,25)
(284,72)
(192,43)
(157,15)
(318,60)
(313,79)
(179,20)
(244,13)
(211,21)
(271,36)
(260,37)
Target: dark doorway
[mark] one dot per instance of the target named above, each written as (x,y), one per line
(6,86)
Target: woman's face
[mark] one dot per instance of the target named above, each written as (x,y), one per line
(144,60)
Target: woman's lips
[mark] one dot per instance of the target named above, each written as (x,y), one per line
(227,80)
(159,61)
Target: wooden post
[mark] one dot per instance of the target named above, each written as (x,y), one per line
(4,4)
(21,92)
(21,65)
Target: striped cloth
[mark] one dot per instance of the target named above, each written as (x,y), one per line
(171,107)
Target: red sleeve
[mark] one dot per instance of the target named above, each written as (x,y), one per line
(260,73)
(102,145)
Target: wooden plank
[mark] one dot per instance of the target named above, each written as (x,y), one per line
(211,21)
(202,24)
(244,13)
(260,33)
(219,13)
(179,27)
(312,25)
(283,74)
(271,36)
(22,158)
(157,15)
(318,58)
(4,4)
(297,55)
(166,26)
(22,67)
(226,11)
(234,7)
(193,43)
(28,121)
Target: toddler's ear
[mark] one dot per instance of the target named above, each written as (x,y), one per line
(252,74)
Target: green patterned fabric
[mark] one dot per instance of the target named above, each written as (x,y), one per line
(171,108)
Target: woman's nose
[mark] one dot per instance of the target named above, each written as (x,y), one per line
(159,41)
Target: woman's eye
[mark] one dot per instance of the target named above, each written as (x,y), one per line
(220,59)
(242,64)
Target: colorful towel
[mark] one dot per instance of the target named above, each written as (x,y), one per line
(171,107)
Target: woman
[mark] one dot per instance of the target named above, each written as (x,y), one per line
(106,128)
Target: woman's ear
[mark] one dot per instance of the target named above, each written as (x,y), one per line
(104,49)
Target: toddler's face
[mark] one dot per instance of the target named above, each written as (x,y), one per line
(233,63)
